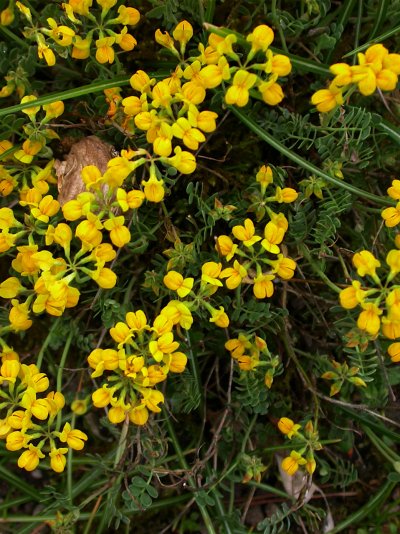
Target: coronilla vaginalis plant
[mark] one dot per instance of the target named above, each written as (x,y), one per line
(200,261)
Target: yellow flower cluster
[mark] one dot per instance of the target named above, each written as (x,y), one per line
(168,110)
(253,260)
(305,443)
(376,69)
(251,248)
(90,30)
(380,305)
(251,352)
(29,421)
(144,356)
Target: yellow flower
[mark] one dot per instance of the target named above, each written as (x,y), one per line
(263,286)
(47,207)
(226,247)
(286,195)
(393,261)
(46,52)
(394,352)
(102,397)
(210,272)
(73,437)
(62,35)
(274,235)
(88,231)
(394,190)
(16,441)
(182,33)
(284,267)
(29,459)
(391,215)
(343,74)
(53,110)
(10,288)
(57,459)
(271,92)
(31,111)
(260,38)
(165,344)
(327,99)
(219,318)
(119,234)
(246,233)
(183,161)
(104,277)
(212,75)
(105,51)
(128,15)
(151,399)
(368,319)
(291,463)
(352,296)
(191,137)
(165,40)
(19,316)
(175,281)
(154,189)
(238,93)
(139,415)
(234,275)
(137,321)
(178,313)
(280,65)
(264,176)
(365,263)
(7,16)
(81,47)
(390,328)
(288,427)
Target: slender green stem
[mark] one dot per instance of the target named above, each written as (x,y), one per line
(69,467)
(182,460)
(70,93)
(344,15)
(372,505)
(268,138)
(379,18)
(315,267)
(61,370)
(378,39)
(11,35)
(46,343)
(270,489)
(122,442)
(277,23)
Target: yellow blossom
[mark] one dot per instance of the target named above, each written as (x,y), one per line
(288,427)
(365,263)
(175,281)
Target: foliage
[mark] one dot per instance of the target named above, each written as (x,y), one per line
(200,306)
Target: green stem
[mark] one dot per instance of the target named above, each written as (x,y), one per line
(371,506)
(379,17)
(203,510)
(11,35)
(61,370)
(314,266)
(268,138)
(378,39)
(275,18)
(46,343)
(70,93)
